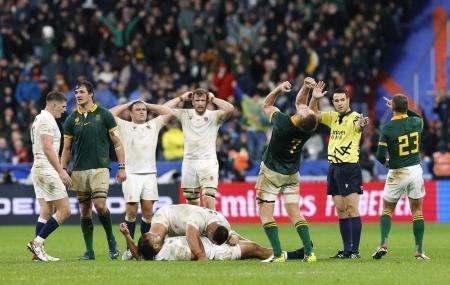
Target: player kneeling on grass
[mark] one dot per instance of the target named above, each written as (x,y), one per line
(400,137)
(49,178)
(149,247)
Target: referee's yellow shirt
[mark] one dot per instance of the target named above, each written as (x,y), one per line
(344,137)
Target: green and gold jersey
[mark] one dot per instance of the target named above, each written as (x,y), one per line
(283,152)
(345,137)
(401,136)
(90,137)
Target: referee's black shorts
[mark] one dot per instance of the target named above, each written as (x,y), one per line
(344,179)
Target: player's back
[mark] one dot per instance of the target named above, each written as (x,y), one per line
(177,248)
(44,124)
(402,135)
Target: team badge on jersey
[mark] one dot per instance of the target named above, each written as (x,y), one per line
(206,119)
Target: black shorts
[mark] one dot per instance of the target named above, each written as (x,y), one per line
(344,179)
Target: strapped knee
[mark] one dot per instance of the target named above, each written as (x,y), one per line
(209,192)
(191,195)
(84,197)
(99,195)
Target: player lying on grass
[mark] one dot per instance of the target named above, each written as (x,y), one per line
(193,222)
(149,247)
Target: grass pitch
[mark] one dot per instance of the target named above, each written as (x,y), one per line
(397,267)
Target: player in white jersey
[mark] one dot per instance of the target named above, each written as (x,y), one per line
(177,248)
(200,170)
(49,179)
(139,138)
(193,222)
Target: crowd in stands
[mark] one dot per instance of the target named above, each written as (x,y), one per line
(155,50)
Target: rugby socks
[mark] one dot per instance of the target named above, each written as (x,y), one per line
(105,219)
(303,232)
(145,225)
(50,226)
(87,227)
(271,230)
(131,224)
(356,233)
(39,225)
(419,229)
(385,225)
(345,227)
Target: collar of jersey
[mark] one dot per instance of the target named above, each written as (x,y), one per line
(293,121)
(92,109)
(399,117)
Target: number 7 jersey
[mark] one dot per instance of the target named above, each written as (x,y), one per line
(402,136)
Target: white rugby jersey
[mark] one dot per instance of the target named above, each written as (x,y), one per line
(200,133)
(179,216)
(177,248)
(44,123)
(140,141)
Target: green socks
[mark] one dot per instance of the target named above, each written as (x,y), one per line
(271,230)
(87,227)
(418,228)
(105,219)
(303,232)
(385,224)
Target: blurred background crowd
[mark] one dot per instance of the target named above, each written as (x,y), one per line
(240,50)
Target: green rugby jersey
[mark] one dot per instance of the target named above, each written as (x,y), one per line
(90,137)
(401,136)
(283,152)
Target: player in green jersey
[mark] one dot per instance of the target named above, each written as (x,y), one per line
(280,165)
(87,132)
(400,138)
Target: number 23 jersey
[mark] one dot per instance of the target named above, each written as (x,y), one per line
(402,136)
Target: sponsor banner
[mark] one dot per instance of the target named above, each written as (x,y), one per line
(237,202)
(19,206)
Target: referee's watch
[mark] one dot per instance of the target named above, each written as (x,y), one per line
(121,166)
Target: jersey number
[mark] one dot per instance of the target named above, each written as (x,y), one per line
(404,142)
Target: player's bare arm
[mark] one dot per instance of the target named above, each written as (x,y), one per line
(186,96)
(162,110)
(130,242)
(67,152)
(316,95)
(225,108)
(195,243)
(117,110)
(302,95)
(52,157)
(120,153)
(268,108)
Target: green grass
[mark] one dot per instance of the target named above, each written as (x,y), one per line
(398,267)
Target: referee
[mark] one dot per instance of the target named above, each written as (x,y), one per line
(344,175)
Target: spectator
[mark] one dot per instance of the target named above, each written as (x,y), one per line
(173,142)
(6,154)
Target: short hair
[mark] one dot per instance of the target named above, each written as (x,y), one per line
(87,84)
(309,123)
(145,249)
(55,96)
(200,92)
(340,90)
(220,235)
(134,103)
(400,103)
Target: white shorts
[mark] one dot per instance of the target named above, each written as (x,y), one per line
(406,181)
(140,187)
(226,252)
(47,184)
(200,173)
